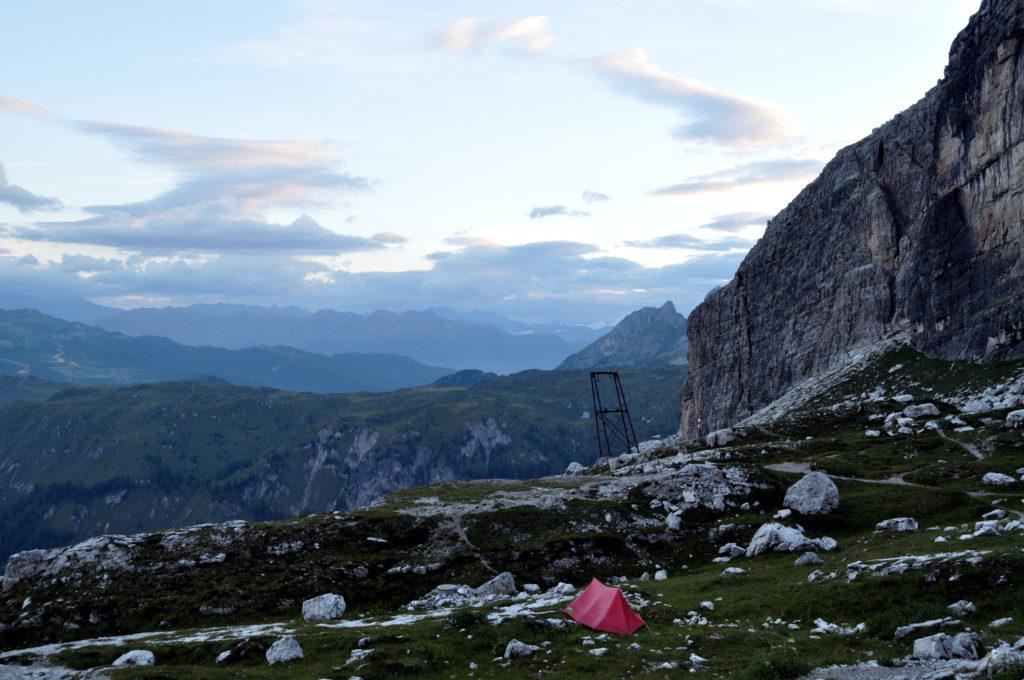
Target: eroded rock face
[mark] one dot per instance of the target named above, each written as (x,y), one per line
(917,228)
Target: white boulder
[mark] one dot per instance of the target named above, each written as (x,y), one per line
(661,575)
(780,538)
(502,584)
(808,558)
(1015,418)
(814,494)
(997,479)
(516,649)
(921,411)
(897,524)
(323,608)
(136,657)
(720,437)
(574,469)
(284,650)
(962,608)
(938,646)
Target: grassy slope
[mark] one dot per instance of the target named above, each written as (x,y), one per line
(748,637)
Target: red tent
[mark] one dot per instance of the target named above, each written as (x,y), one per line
(603,608)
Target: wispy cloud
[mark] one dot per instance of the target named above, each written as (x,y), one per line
(23,199)
(556,211)
(528,35)
(223,189)
(710,115)
(743,175)
(734,222)
(595,197)
(691,242)
(187,231)
(389,237)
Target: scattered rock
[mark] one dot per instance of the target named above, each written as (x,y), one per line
(136,657)
(661,575)
(284,650)
(733,571)
(808,558)
(999,623)
(921,411)
(938,646)
(323,608)
(502,584)
(720,438)
(516,649)
(1015,418)
(897,524)
(814,494)
(574,469)
(779,538)
(962,608)
(998,479)
(823,627)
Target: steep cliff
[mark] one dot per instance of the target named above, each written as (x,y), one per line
(918,228)
(648,337)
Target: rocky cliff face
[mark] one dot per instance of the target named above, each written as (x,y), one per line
(648,337)
(917,228)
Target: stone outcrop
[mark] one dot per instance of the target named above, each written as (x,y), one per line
(917,228)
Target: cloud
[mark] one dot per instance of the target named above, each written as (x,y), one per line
(691,242)
(711,116)
(528,35)
(556,210)
(738,221)
(595,197)
(209,230)
(218,203)
(389,237)
(23,199)
(554,281)
(22,108)
(745,174)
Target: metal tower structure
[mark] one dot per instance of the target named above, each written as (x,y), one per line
(614,426)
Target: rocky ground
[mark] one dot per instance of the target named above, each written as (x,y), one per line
(873,532)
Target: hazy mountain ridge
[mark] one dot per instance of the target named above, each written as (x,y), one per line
(652,336)
(63,351)
(145,457)
(421,335)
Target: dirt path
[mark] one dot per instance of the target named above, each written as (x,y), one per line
(804,468)
(966,446)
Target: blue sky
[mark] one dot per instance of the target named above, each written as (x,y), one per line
(550,161)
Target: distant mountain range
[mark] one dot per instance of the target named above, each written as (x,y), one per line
(652,336)
(52,349)
(436,338)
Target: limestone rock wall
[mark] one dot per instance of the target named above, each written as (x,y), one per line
(918,227)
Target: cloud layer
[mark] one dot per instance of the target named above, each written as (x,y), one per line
(745,174)
(528,35)
(710,116)
(23,199)
(556,211)
(223,188)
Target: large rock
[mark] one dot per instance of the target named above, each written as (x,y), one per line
(997,479)
(502,584)
(1015,418)
(938,646)
(324,608)
(780,538)
(284,650)
(516,649)
(136,657)
(897,524)
(814,494)
(914,229)
(921,411)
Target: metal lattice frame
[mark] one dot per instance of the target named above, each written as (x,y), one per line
(613,423)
